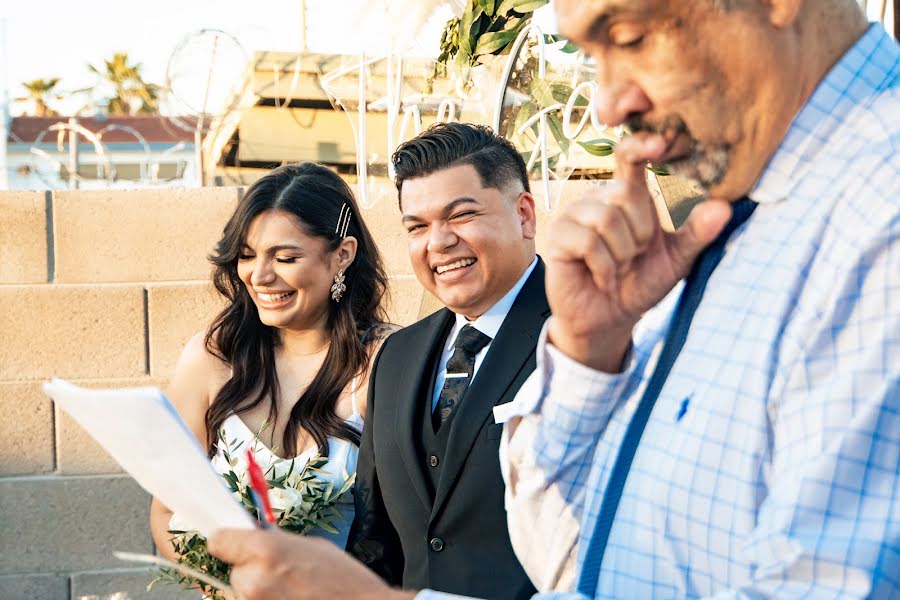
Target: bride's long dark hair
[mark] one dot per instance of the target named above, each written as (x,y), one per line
(314,195)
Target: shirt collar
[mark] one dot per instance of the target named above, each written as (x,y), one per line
(814,130)
(489,323)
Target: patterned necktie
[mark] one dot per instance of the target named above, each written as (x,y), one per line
(694,286)
(460,369)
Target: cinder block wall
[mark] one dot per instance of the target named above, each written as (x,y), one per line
(104,288)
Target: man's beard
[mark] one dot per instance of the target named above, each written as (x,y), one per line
(706,164)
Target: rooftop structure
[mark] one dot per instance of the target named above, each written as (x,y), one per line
(116,151)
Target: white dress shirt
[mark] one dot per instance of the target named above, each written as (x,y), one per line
(489,324)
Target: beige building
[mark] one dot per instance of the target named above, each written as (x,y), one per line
(290,107)
(281,113)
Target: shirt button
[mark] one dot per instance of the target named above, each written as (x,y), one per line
(437,544)
(433,460)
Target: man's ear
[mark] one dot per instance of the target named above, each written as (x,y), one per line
(783,13)
(527,215)
(345,253)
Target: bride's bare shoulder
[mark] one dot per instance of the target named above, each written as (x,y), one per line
(200,368)
(202,355)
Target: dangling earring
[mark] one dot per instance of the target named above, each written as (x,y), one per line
(338,289)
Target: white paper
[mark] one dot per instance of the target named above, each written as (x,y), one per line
(141,430)
(181,568)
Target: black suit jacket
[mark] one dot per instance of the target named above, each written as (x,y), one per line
(456,541)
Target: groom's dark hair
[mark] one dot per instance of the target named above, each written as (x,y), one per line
(446,145)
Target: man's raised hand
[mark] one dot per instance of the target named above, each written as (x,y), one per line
(610,260)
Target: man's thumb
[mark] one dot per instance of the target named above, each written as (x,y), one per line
(705,222)
(230,545)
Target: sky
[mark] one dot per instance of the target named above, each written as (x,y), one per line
(58,38)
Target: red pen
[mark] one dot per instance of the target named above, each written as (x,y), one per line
(260,490)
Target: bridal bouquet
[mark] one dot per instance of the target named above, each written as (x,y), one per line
(300,498)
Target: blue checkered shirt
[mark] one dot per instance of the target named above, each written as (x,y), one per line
(769,466)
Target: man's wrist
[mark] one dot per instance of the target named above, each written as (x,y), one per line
(602,351)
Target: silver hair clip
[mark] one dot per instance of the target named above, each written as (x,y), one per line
(343,221)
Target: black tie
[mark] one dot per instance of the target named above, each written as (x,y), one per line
(694,286)
(460,369)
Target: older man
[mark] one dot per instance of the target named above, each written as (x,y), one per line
(737,434)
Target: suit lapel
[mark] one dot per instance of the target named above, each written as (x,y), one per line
(509,352)
(411,392)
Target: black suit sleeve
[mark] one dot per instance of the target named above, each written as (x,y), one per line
(373,539)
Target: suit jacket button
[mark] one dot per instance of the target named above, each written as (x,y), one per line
(433,460)
(437,544)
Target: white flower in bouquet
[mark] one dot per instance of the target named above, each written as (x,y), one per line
(284,499)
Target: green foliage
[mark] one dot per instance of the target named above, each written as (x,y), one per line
(487,28)
(41,92)
(131,94)
(484,29)
(599,147)
(191,549)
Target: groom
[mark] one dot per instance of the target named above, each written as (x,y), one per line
(429,494)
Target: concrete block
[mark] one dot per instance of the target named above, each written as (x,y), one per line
(138,235)
(71,332)
(34,587)
(130,584)
(26,430)
(76,452)
(23,237)
(61,524)
(405,299)
(175,313)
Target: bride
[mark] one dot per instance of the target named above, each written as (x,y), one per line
(287,360)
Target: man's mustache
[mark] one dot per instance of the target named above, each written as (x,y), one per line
(669,125)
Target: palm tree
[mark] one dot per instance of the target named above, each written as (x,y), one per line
(41,92)
(131,94)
